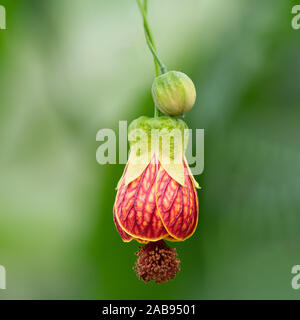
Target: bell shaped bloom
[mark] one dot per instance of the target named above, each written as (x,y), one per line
(156,196)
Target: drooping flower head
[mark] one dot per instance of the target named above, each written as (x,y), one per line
(156,196)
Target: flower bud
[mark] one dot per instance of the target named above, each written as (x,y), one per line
(174,93)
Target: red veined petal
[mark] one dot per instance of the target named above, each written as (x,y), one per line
(125,236)
(169,238)
(135,207)
(141,241)
(177,205)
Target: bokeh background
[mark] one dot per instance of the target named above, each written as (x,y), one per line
(71,67)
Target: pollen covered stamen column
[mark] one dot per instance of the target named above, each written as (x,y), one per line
(157,262)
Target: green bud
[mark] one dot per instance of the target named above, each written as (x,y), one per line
(174,93)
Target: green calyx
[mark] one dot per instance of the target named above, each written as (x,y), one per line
(160,123)
(160,134)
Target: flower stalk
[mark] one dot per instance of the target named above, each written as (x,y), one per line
(160,67)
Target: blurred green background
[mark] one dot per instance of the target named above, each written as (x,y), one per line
(71,67)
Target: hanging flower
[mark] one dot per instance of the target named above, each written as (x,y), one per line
(156,196)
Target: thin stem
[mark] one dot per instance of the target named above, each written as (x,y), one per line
(156,112)
(161,65)
(146,6)
(150,41)
(148,31)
